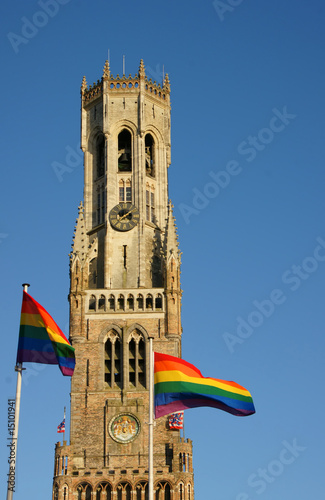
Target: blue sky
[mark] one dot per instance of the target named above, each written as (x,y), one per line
(247,184)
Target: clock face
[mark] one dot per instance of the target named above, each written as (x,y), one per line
(124,216)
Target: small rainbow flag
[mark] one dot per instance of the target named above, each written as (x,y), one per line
(179,386)
(41,340)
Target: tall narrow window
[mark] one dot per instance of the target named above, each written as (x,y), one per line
(152,206)
(100,155)
(137,358)
(101,204)
(150,159)
(113,361)
(147,204)
(128,191)
(181,492)
(150,203)
(124,151)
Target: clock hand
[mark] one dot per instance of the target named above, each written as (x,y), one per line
(125,215)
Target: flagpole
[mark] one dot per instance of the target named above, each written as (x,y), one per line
(14,440)
(64,428)
(151,419)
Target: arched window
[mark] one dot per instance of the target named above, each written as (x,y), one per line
(137,361)
(149,301)
(104,491)
(86,488)
(150,155)
(188,492)
(140,301)
(181,491)
(101,303)
(127,491)
(111,302)
(65,493)
(100,155)
(140,488)
(163,491)
(92,303)
(124,151)
(130,302)
(113,361)
(56,492)
(120,302)
(158,301)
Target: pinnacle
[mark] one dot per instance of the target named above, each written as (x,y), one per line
(106,71)
(83,84)
(141,68)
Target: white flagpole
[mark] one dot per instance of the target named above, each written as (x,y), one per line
(14,439)
(151,404)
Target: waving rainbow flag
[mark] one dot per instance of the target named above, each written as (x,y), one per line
(179,385)
(41,340)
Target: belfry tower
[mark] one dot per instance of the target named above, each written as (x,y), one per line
(124,288)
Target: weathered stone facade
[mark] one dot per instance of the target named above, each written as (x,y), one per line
(124,288)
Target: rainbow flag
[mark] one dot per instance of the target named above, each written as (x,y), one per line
(179,385)
(41,340)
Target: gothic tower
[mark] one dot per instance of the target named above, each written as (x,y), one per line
(124,288)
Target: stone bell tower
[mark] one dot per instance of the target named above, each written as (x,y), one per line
(124,288)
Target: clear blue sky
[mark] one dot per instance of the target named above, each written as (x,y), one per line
(247,80)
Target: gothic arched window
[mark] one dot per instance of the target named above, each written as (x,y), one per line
(111,302)
(113,361)
(150,157)
(158,301)
(86,489)
(140,301)
(137,360)
(126,488)
(140,488)
(130,302)
(92,303)
(124,151)
(104,491)
(101,303)
(163,491)
(56,492)
(149,301)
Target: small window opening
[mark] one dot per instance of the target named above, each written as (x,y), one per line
(140,301)
(120,303)
(149,302)
(158,301)
(92,303)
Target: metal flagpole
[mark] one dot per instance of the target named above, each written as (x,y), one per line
(64,428)
(151,403)
(14,439)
